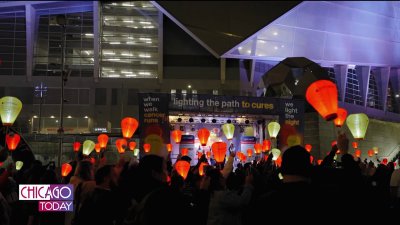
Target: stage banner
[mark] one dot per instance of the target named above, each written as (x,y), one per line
(154,122)
(247,142)
(291,119)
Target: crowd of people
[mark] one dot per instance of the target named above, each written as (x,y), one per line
(150,191)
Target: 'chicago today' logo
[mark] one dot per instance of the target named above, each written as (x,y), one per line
(51,197)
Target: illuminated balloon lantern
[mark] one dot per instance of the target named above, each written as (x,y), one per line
(244,158)
(136,153)
(249,152)
(273,129)
(169,147)
(278,161)
(184,151)
(308,147)
(10,107)
(128,127)
(275,153)
(323,96)
(311,159)
(76,146)
(65,169)
(199,154)
(258,148)
(357,124)
(341,117)
(370,153)
(203,135)
(201,168)
(208,154)
(376,150)
(219,151)
(176,136)
(229,130)
(357,153)
(182,167)
(97,148)
(385,161)
(147,147)
(12,141)
(319,161)
(19,165)
(88,147)
(354,144)
(333,143)
(102,139)
(132,145)
(121,143)
(266,145)
(239,155)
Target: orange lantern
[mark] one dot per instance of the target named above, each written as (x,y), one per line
(128,127)
(370,153)
(323,96)
(308,147)
(203,135)
(311,159)
(341,117)
(169,147)
(176,136)
(121,145)
(76,146)
(354,144)
(184,151)
(358,153)
(201,168)
(266,145)
(97,147)
(385,161)
(219,151)
(257,148)
(65,169)
(132,145)
(244,158)
(12,141)
(147,148)
(199,154)
(249,152)
(278,161)
(182,167)
(319,161)
(208,154)
(102,139)
(333,143)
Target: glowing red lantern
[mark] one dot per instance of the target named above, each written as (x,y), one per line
(65,169)
(311,159)
(354,144)
(208,154)
(249,152)
(239,155)
(203,135)
(319,161)
(219,151)
(266,145)
(257,148)
(147,148)
(176,136)
(121,145)
(308,147)
(12,141)
(76,146)
(132,145)
(201,168)
(182,167)
(102,139)
(129,126)
(385,161)
(357,153)
(370,153)
(341,117)
(337,152)
(199,154)
(97,147)
(333,143)
(244,158)
(278,161)
(323,96)
(184,151)
(169,147)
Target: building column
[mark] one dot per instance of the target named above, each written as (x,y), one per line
(30,15)
(96,40)
(341,77)
(363,74)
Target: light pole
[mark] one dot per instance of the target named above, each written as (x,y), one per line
(40,92)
